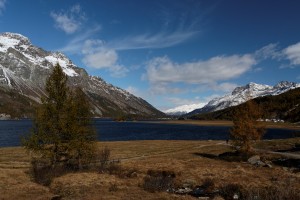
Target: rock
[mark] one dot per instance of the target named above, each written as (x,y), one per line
(268,164)
(254,160)
(285,169)
(183,190)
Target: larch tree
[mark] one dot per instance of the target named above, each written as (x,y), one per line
(62,132)
(246,129)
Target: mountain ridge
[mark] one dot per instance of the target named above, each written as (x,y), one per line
(276,108)
(244,93)
(24,69)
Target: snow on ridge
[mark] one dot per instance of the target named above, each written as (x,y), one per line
(247,92)
(185,108)
(56,58)
(11,40)
(15,40)
(6,42)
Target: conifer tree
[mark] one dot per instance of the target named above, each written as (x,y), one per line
(62,131)
(246,129)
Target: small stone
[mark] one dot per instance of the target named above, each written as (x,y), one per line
(254,160)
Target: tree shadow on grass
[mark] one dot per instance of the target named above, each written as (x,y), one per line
(231,156)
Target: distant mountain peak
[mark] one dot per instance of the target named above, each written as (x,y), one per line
(244,93)
(183,109)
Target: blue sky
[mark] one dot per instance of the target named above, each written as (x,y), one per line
(169,52)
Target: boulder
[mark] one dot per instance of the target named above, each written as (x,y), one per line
(254,160)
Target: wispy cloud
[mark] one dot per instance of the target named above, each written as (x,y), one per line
(76,44)
(2,6)
(270,51)
(70,20)
(152,41)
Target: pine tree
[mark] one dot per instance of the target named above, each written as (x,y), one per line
(246,129)
(62,131)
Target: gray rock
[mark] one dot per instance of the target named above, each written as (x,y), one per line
(254,160)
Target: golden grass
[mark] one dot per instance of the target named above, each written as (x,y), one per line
(182,157)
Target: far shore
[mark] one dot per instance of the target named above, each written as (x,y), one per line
(229,123)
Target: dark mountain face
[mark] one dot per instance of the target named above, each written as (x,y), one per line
(24,69)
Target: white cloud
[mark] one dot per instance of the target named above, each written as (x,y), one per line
(95,55)
(69,21)
(293,53)
(2,5)
(103,58)
(220,68)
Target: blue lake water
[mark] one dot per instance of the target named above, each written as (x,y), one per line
(11,131)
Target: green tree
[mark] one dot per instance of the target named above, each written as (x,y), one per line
(62,130)
(246,129)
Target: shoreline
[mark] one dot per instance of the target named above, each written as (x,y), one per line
(227,123)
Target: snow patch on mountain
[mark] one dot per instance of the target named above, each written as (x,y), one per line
(244,93)
(180,110)
(22,45)
(54,59)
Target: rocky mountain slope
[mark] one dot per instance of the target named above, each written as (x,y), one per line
(242,94)
(24,69)
(276,108)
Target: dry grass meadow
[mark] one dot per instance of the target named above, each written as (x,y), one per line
(137,157)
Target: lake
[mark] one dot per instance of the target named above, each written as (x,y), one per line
(12,130)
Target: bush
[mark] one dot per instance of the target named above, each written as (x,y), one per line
(43,173)
(272,193)
(158,180)
(231,191)
(279,192)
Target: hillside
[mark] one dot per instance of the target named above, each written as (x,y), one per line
(285,106)
(244,93)
(24,69)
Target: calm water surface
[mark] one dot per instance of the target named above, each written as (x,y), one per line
(11,131)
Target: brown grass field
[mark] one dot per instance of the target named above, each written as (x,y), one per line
(182,157)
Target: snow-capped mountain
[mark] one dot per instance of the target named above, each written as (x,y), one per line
(181,110)
(242,94)
(24,69)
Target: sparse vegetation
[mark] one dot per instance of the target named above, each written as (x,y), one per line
(157,181)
